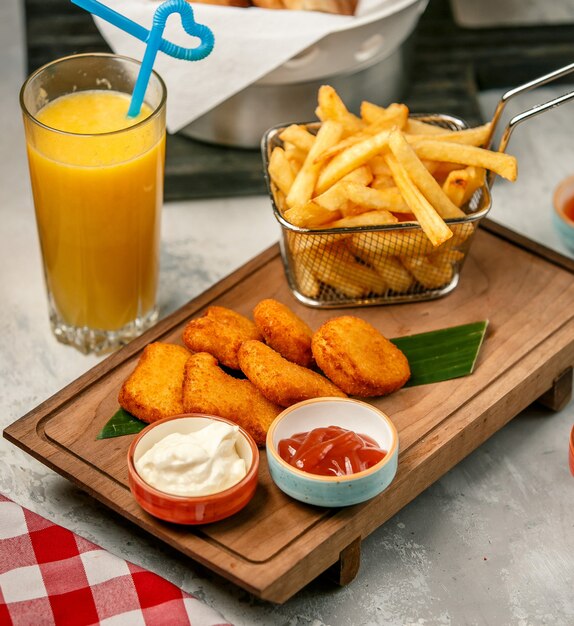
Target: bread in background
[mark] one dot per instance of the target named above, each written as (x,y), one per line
(339,7)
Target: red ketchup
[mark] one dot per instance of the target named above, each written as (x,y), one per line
(331,451)
(569,208)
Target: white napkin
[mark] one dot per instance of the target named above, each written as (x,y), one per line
(249,43)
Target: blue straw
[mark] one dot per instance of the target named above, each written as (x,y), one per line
(154,39)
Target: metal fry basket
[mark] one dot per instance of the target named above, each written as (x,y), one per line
(387,264)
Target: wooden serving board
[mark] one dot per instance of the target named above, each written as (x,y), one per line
(276,545)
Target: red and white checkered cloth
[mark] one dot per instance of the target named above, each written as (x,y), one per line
(49,575)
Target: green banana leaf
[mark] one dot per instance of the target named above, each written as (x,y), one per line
(433,357)
(442,354)
(121,423)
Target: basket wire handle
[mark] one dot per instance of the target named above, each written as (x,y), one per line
(535,110)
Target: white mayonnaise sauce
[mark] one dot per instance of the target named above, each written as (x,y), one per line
(194,464)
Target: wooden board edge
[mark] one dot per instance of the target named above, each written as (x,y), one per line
(319,549)
(538,249)
(336,542)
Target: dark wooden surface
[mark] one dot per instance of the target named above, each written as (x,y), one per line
(275,546)
(450,65)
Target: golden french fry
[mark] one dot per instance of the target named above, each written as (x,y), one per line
(390,268)
(442,170)
(393,115)
(499,162)
(310,215)
(430,221)
(301,243)
(279,198)
(455,186)
(335,198)
(299,136)
(476,136)
(461,232)
(307,282)
(395,118)
(350,159)
(331,107)
(403,242)
(394,273)
(280,171)
(324,263)
(337,267)
(371,112)
(418,127)
(476,179)
(304,183)
(370,218)
(432,166)
(340,146)
(383,181)
(361,175)
(379,166)
(460,185)
(422,178)
(367,198)
(448,255)
(295,156)
(430,275)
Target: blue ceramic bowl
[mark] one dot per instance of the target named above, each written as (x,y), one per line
(563,223)
(333,491)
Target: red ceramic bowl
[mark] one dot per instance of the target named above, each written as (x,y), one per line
(191,509)
(571,454)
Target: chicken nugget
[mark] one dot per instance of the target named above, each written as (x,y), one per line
(219,331)
(284,331)
(358,358)
(208,389)
(154,389)
(278,379)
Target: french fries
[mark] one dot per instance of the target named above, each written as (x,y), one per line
(304,183)
(502,164)
(431,223)
(422,178)
(393,186)
(331,107)
(280,170)
(349,159)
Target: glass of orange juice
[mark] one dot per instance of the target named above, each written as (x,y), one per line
(97,181)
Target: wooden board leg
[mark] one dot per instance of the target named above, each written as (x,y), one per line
(347,567)
(558,396)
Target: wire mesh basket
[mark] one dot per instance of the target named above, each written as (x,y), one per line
(373,265)
(369,265)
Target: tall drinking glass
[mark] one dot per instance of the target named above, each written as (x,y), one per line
(97,182)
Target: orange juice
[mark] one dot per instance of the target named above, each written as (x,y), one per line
(98,188)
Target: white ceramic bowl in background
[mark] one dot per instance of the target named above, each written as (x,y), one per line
(368,59)
(356,45)
(333,491)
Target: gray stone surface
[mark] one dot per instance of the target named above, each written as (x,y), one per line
(491,543)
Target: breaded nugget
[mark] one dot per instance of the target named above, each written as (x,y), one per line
(284,331)
(278,379)
(153,389)
(208,389)
(358,358)
(219,331)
